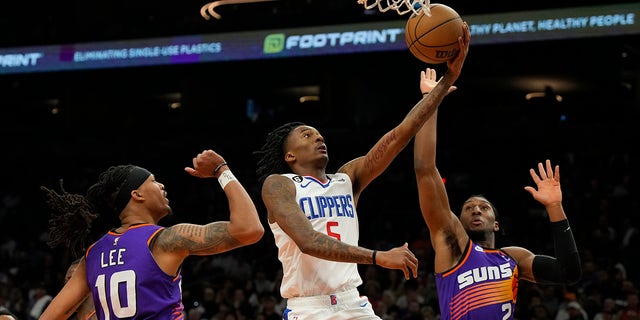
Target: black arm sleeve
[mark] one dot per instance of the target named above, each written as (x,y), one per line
(565,268)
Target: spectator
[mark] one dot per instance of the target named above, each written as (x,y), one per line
(572,311)
(269,309)
(631,310)
(40,299)
(261,283)
(608,312)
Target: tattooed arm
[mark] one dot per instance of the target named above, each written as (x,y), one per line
(364,169)
(278,194)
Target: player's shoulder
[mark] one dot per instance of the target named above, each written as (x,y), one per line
(517,253)
(277,177)
(351,165)
(278,182)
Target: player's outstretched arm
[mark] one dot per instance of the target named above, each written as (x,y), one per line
(243,228)
(565,267)
(364,169)
(448,237)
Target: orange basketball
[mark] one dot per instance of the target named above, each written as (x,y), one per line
(434,39)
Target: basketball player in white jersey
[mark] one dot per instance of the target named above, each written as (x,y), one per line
(313,217)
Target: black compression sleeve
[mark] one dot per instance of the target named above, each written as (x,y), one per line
(565,268)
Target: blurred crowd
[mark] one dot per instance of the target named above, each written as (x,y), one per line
(244,284)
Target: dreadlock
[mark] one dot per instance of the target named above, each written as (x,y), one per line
(271,155)
(71,221)
(73,214)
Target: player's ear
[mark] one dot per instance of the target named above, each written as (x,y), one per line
(496,226)
(288,157)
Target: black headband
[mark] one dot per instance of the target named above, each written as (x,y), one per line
(137,176)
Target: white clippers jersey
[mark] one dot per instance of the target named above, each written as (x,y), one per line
(331,210)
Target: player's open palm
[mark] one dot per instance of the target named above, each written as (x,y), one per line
(547,181)
(428,81)
(399,258)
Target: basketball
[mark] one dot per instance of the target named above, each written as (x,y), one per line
(434,39)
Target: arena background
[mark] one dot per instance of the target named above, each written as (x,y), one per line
(490,135)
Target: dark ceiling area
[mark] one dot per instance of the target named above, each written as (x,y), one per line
(71,125)
(42,22)
(93,118)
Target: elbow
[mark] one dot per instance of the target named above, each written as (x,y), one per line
(568,277)
(310,245)
(306,248)
(548,270)
(249,238)
(254,234)
(573,274)
(423,169)
(573,278)
(249,234)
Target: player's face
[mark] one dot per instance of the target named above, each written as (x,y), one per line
(478,215)
(305,144)
(155,196)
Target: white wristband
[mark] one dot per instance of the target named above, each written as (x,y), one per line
(226,177)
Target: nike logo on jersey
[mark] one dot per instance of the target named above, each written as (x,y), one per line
(364,304)
(478,248)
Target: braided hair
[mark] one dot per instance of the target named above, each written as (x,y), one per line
(74,214)
(270,157)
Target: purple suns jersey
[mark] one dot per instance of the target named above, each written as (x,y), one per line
(126,281)
(484,285)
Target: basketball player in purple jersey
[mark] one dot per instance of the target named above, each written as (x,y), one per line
(313,216)
(474,279)
(133,271)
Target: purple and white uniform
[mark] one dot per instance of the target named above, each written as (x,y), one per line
(483,285)
(125,280)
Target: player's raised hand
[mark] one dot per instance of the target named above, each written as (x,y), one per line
(205,164)
(428,81)
(547,181)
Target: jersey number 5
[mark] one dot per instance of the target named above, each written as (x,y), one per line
(330,225)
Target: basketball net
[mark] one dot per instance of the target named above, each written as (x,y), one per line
(400,6)
(207,11)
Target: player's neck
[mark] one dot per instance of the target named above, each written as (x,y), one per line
(482,238)
(132,220)
(318,173)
